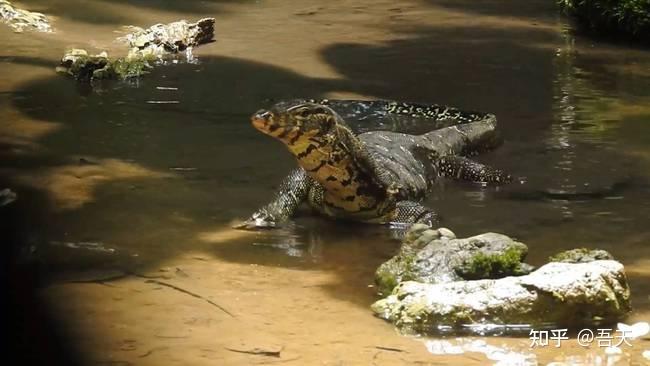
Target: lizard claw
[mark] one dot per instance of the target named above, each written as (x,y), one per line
(259,220)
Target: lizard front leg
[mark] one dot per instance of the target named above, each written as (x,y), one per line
(411,212)
(292,192)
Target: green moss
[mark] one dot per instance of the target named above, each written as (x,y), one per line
(385,281)
(580,255)
(630,18)
(483,266)
(133,67)
(83,66)
(390,274)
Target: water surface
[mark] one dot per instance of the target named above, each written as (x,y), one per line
(140,183)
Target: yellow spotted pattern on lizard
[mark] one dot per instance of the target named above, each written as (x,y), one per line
(324,148)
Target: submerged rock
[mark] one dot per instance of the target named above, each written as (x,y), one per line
(148,47)
(19,19)
(7,196)
(581,255)
(437,256)
(562,294)
(85,67)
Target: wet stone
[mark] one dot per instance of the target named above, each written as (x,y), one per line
(562,294)
(149,47)
(581,255)
(437,256)
(446,233)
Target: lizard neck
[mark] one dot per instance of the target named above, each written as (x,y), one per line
(329,160)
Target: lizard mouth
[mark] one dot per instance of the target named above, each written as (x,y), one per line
(263,120)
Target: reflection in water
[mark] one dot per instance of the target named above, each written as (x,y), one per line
(501,355)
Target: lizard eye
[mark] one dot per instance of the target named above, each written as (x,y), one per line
(303,112)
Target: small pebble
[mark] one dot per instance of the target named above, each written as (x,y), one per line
(414,231)
(418,228)
(429,235)
(446,233)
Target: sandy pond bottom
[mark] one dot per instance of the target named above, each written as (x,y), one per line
(198,310)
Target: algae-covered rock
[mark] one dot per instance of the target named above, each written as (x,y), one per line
(563,294)
(437,256)
(82,66)
(19,19)
(148,47)
(580,255)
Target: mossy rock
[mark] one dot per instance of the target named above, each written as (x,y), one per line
(437,256)
(85,67)
(561,295)
(495,265)
(580,255)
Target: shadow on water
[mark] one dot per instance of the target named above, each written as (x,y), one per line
(182,6)
(529,10)
(459,66)
(205,127)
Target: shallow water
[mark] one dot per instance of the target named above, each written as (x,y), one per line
(144,183)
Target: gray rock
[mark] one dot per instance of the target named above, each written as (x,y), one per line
(83,66)
(19,19)
(562,294)
(436,256)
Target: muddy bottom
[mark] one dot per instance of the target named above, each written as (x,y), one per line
(127,191)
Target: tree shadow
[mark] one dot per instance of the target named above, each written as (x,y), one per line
(189,6)
(469,67)
(206,128)
(98,11)
(535,10)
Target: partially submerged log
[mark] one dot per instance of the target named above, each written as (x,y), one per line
(20,19)
(148,47)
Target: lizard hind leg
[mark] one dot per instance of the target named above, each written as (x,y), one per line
(462,168)
(411,212)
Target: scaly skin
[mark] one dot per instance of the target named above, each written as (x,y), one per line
(375,177)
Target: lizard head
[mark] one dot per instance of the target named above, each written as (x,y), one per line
(295,122)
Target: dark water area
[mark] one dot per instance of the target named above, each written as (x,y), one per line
(135,174)
(563,135)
